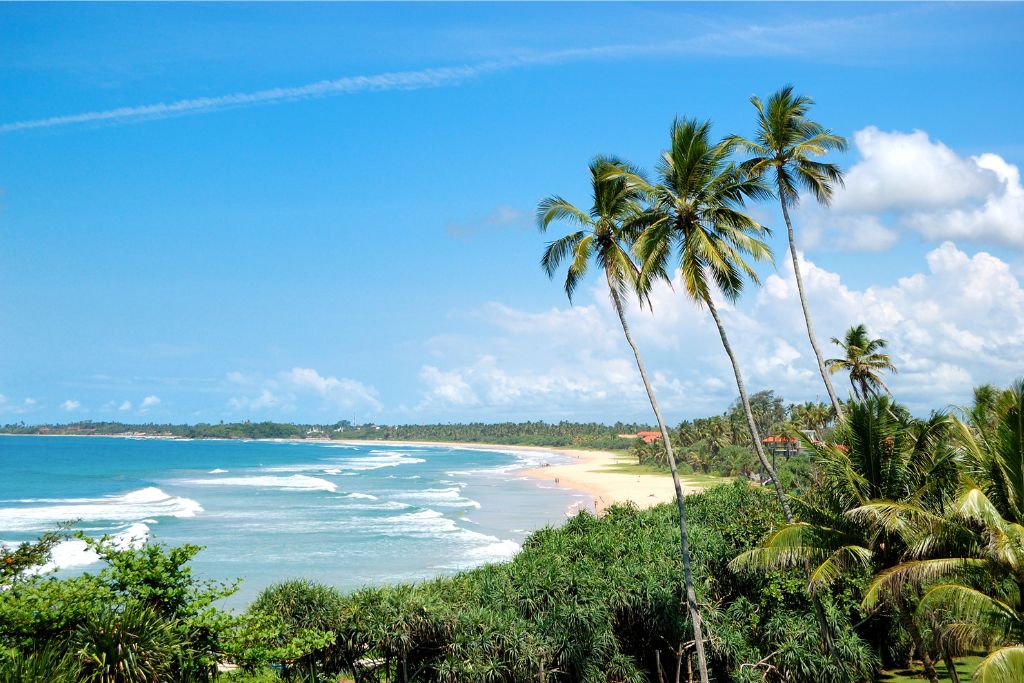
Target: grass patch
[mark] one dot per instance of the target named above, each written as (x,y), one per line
(965,667)
(627,465)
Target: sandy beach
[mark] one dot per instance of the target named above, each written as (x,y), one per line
(598,473)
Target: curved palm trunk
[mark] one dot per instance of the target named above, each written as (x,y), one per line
(691,596)
(754,435)
(807,313)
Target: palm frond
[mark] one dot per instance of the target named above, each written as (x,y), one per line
(558,250)
(558,209)
(892,580)
(1005,665)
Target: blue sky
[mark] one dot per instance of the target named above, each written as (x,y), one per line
(322,212)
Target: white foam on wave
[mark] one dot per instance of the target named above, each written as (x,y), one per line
(480,548)
(389,505)
(75,553)
(217,471)
(143,503)
(525,460)
(378,460)
(449,497)
(367,496)
(498,551)
(350,465)
(296,482)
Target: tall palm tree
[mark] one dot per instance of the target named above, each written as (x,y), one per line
(698,211)
(971,556)
(605,237)
(863,359)
(782,147)
(881,452)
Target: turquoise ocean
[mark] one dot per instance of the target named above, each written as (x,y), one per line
(347,515)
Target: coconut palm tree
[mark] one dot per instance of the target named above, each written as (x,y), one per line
(782,148)
(698,211)
(881,452)
(604,237)
(863,359)
(970,558)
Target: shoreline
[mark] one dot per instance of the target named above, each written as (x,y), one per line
(590,473)
(594,472)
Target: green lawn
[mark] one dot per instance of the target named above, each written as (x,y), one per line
(626,464)
(964,668)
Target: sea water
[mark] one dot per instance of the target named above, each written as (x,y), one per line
(344,514)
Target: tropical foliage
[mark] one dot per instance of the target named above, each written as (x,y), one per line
(864,360)
(782,149)
(890,539)
(605,236)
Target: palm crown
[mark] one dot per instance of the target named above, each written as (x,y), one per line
(606,232)
(784,143)
(864,360)
(698,209)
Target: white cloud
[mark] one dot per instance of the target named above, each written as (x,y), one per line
(753,39)
(958,322)
(908,171)
(149,402)
(70,405)
(337,392)
(266,399)
(909,182)
(10,406)
(447,388)
(125,406)
(298,389)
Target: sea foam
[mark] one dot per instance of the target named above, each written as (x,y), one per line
(448,497)
(296,482)
(75,553)
(135,505)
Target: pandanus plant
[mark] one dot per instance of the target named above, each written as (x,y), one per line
(604,237)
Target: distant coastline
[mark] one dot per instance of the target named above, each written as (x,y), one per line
(591,435)
(603,474)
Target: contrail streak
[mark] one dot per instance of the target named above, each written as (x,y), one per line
(749,40)
(397,80)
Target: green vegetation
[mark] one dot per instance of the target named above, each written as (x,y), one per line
(863,360)
(888,540)
(560,434)
(605,237)
(551,434)
(905,549)
(963,666)
(782,148)
(232,430)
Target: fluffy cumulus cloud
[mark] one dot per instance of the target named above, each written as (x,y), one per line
(148,403)
(957,322)
(70,405)
(910,182)
(303,390)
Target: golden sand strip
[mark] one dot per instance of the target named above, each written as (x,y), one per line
(600,474)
